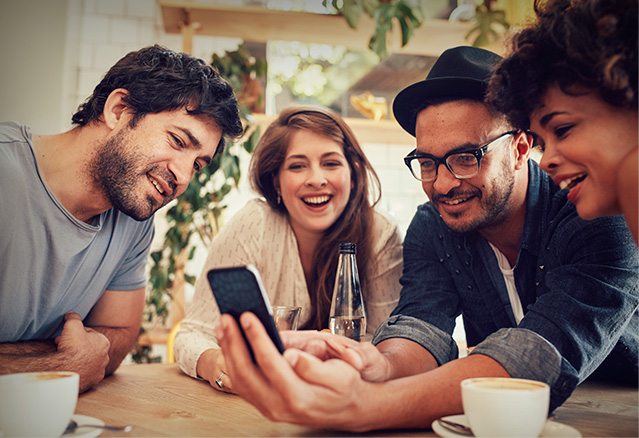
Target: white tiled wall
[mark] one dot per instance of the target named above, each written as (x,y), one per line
(109,29)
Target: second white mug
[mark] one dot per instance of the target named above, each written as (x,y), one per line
(505,407)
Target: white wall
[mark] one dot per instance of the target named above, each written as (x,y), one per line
(33,70)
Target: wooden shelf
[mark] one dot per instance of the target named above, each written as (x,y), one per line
(255,23)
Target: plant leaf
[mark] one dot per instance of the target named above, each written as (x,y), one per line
(370,6)
(351,10)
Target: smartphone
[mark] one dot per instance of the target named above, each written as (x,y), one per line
(239,289)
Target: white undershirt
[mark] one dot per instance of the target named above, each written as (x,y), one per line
(509,278)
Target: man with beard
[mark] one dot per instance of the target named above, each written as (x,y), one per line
(544,294)
(76,209)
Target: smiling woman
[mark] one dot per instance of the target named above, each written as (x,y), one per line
(572,79)
(317,187)
(584,141)
(314,184)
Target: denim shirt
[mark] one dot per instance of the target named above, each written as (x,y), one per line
(577,281)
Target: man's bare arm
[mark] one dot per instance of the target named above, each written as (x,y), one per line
(78,349)
(27,347)
(28,356)
(406,357)
(117,315)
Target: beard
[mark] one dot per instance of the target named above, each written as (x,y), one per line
(494,205)
(118,171)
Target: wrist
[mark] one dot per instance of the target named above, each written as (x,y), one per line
(205,368)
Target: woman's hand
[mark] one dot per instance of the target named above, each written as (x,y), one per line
(212,368)
(223,381)
(363,356)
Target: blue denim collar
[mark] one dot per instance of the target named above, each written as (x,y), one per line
(540,188)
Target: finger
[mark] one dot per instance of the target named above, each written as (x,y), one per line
(266,354)
(220,370)
(299,338)
(373,366)
(227,385)
(231,340)
(73,327)
(248,380)
(100,339)
(332,374)
(277,376)
(220,363)
(335,346)
(283,394)
(238,363)
(320,344)
(353,358)
(72,316)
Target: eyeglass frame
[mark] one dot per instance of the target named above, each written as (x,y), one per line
(478,153)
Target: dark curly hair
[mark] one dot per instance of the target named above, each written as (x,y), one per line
(592,43)
(159,79)
(355,224)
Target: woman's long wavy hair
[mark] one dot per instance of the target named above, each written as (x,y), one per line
(592,43)
(356,221)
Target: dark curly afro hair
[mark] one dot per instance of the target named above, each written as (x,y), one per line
(591,43)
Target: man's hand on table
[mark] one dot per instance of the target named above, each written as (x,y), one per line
(79,349)
(83,350)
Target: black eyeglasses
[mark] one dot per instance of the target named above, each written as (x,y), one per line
(462,164)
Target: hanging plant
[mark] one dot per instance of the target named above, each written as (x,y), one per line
(410,16)
(408,13)
(485,19)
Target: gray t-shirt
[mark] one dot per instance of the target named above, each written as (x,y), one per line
(50,262)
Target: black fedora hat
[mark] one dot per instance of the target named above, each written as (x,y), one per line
(461,72)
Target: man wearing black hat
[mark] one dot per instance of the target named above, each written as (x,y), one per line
(544,294)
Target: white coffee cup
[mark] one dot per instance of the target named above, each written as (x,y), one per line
(37,404)
(505,407)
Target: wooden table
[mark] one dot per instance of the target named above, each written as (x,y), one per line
(161,401)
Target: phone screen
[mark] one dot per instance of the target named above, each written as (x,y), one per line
(239,289)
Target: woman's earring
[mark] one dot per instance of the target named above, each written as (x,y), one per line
(279,199)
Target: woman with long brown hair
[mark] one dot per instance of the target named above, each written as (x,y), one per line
(318,190)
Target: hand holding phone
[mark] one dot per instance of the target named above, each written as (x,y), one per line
(239,289)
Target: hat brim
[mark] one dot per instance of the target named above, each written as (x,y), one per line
(412,98)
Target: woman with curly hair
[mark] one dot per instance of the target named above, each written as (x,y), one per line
(571,79)
(318,190)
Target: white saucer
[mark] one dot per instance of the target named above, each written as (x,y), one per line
(551,428)
(85,432)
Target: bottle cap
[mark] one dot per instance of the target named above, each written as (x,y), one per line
(348,248)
